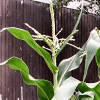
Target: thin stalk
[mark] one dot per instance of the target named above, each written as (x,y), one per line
(55,82)
(74,46)
(55,75)
(54,45)
(53,21)
(36,32)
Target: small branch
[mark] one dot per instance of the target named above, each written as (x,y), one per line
(52,19)
(74,46)
(62,39)
(59,31)
(41,36)
(32,28)
(72,39)
(38,39)
(37,36)
(46,48)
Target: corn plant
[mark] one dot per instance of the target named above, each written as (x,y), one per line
(64,87)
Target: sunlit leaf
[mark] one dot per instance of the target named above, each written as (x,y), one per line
(26,36)
(93,44)
(98,61)
(85,96)
(66,90)
(93,87)
(45,87)
(70,64)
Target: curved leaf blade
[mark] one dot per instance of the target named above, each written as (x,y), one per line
(45,87)
(92,87)
(67,65)
(93,44)
(98,61)
(90,47)
(66,90)
(26,36)
(85,96)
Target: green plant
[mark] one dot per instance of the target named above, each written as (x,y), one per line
(64,87)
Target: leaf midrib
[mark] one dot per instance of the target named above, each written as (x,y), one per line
(66,69)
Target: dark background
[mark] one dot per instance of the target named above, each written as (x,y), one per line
(13,13)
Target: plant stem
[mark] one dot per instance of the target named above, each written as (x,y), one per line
(53,46)
(55,75)
(53,21)
(55,82)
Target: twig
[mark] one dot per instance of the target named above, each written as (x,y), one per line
(74,46)
(59,31)
(62,39)
(32,28)
(46,48)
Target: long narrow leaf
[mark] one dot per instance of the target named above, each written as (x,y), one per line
(45,87)
(70,64)
(93,44)
(92,87)
(90,47)
(68,87)
(85,96)
(98,61)
(66,90)
(26,36)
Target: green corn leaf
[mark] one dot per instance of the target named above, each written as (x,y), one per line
(45,88)
(92,87)
(86,96)
(93,44)
(66,90)
(98,61)
(73,62)
(26,36)
(89,91)
(67,65)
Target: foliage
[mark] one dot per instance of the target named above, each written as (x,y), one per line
(45,87)
(64,86)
